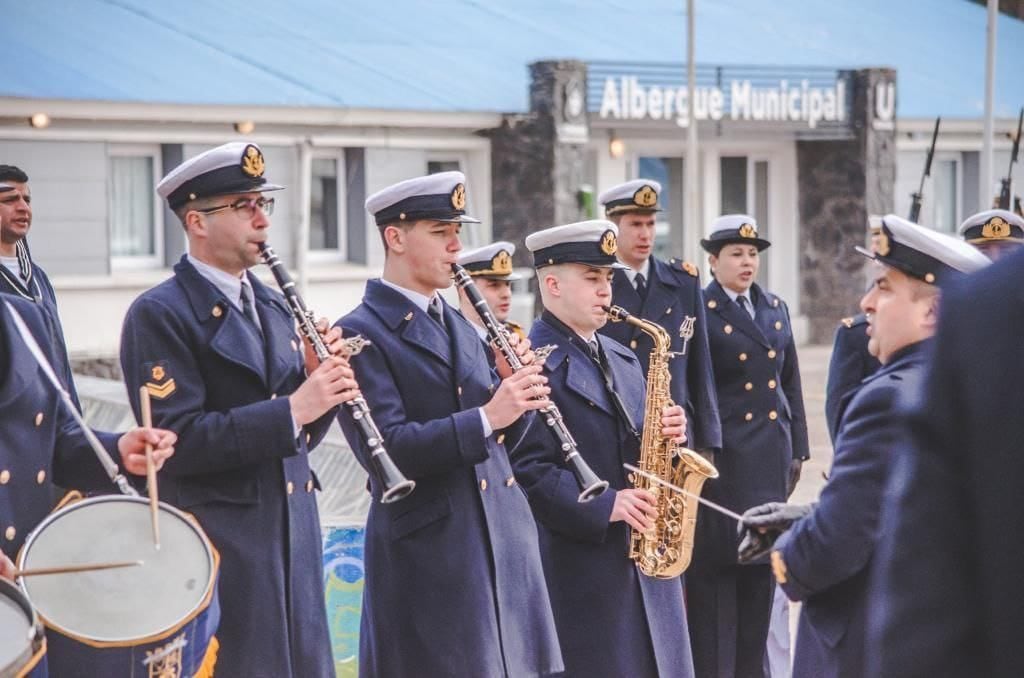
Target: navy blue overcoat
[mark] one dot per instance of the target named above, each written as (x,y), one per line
(828,554)
(612,620)
(673,295)
(238,465)
(454,583)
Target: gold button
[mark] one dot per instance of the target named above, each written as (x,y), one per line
(295,345)
(309,485)
(10,533)
(771,353)
(771,383)
(501,439)
(775,303)
(748,416)
(668,310)
(510,481)
(778,324)
(728,329)
(459,389)
(39,418)
(217,312)
(773,415)
(712,304)
(5,477)
(309,437)
(748,386)
(483,484)
(592,404)
(290,487)
(743,357)
(273,396)
(929,277)
(632,344)
(41,476)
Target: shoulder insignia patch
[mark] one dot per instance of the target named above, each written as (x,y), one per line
(689,268)
(779,567)
(847,322)
(160,384)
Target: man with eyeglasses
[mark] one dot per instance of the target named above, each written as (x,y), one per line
(19,275)
(218,353)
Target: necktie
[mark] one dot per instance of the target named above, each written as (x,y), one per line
(745,305)
(434,311)
(248,307)
(641,285)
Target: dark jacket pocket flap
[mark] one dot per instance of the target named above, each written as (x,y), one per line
(419,517)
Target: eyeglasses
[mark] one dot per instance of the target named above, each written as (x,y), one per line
(245,207)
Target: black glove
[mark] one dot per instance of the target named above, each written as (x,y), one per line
(763,524)
(795,467)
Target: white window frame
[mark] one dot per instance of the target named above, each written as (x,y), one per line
(957,159)
(340,254)
(146,261)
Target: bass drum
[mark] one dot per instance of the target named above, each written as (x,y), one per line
(22,643)
(157,619)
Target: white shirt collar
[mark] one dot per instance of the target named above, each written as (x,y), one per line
(421,301)
(733,295)
(645,270)
(228,285)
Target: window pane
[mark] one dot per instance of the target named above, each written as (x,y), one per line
(435,166)
(132,231)
(323,205)
(734,185)
(669,173)
(943,196)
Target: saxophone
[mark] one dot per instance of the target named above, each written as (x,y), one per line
(665,550)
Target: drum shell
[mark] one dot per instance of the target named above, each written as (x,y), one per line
(32,654)
(183,645)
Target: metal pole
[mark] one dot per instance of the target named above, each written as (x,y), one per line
(990,77)
(691,229)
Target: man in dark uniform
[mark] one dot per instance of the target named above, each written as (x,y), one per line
(824,555)
(218,352)
(764,443)
(669,294)
(454,584)
(996,233)
(490,267)
(946,587)
(851,362)
(612,620)
(40,443)
(22,277)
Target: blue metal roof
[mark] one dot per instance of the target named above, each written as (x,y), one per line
(472,55)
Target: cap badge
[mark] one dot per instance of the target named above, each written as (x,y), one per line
(748,231)
(608,243)
(996,228)
(646,196)
(252,161)
(882,248)
(501,264)
(459,197)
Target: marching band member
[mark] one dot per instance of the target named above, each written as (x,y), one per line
(764,442)
(824,554)
(668,293)
(454,584)
(490,267)
(612,621)
(218,352)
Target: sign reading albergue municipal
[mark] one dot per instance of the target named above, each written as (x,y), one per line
(658,93)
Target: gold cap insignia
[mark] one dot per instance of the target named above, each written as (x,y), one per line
(645,196)
(882,248)
(459,197)
(609,245)
(252,161)
(501,264)
(748,231)
(690,268)
(996,228)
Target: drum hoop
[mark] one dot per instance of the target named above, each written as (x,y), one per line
(26,606)
(201,607)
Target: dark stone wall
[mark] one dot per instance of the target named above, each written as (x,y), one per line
(840,183)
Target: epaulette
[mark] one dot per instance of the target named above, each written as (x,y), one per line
(686,266)
(847,322)
(516,328)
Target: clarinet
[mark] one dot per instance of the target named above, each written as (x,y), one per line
(396,486)
(590,485)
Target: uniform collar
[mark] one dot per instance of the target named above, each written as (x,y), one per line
(644,270)
(228,285)
(569,332)
(421,301)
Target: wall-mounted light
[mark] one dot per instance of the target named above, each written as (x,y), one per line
(245,127)
(616,147)
(39,120)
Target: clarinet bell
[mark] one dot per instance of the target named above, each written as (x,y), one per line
(396,485)
(590,485)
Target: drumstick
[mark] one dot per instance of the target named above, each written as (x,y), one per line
(154,497)
(710,504)
(66,569)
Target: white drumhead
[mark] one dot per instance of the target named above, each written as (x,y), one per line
(125,604)
(16,630)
